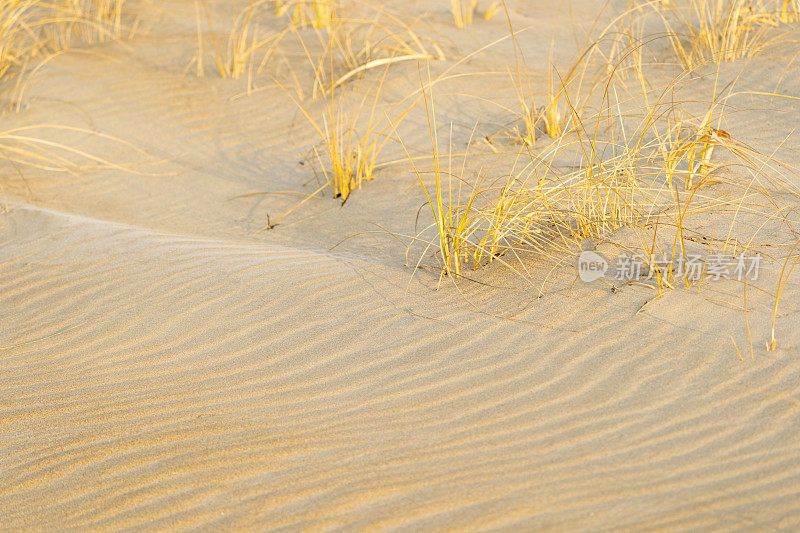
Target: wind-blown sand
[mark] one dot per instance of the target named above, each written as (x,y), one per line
(166,366)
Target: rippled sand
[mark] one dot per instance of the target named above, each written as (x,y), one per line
(165,366)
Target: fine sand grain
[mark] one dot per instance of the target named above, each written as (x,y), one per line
(165,365)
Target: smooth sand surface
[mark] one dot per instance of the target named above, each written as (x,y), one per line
(166,366)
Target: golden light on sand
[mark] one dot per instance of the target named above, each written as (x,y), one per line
(361,265)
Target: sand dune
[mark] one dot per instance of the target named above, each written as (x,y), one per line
(167,366)
(174,382)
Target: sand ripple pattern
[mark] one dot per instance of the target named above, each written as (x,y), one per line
(153,381)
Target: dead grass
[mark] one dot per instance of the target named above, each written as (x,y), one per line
(357,42)
(43,147)
(709,31)
(650,178)
(31,30)
(552,118)
(352,128)
(305,13)
(643,160)
(248,48)
(463,12)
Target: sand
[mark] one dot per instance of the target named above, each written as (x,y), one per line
(167,366)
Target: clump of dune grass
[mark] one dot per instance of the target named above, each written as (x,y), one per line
(448,243)
(789,11)
(650,178)
(352,131)
(305,13)
(492,9)
(699,31)
(552,117)
(707,31)
(15,41)
(248,48)
(355,43)
(352,136)
(664,181)
(352,126)
(88,21)
(463,12)
(31,30)
(626,51)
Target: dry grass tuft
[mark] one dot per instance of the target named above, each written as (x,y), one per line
(350,46)
(305,13)
(551,118)
(249,47)
(31,29)
(706,31)
(463,12)
(789,11)
(352,131)
(650,178)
